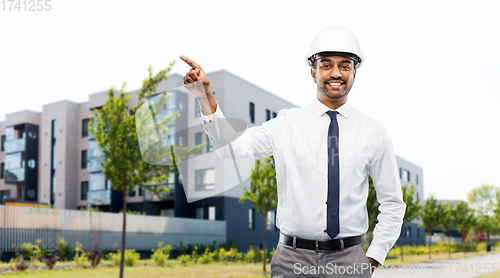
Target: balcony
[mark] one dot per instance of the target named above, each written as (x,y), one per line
(150,196)
(13,176)
(95,164)
(99,197)
(16,145)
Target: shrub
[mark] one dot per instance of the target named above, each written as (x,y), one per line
(131,257)
(40,250)
(161,254)
(81,256)
(207,257)
(115,257)
(27,251)
(64,249)
(496,246)
(249,257)
(194,254)
(184,259)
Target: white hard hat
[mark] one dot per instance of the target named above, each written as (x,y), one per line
(335,41)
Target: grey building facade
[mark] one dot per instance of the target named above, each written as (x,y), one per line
(50,157)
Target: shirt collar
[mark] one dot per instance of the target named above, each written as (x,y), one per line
(320,109)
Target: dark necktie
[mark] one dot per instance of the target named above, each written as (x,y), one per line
(332,222)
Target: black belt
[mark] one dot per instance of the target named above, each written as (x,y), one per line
(336,244)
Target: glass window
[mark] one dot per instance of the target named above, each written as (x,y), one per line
(14,161)
(252,112)
(405,174)
(167,212)
(4,195)
(251,218)
(408,232)
(3,142)
(132,193)
(271,220)
(84,159)
(84,188)
(197,109)
(97,181)
(54,125)
(199,213)
(416,179)
(275,115)
(268,115)
(198,139)
(204,179)
(85,127)
(209,144)
(211,213)
(2,170)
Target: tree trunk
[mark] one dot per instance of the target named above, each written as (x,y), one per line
(401,243)
(449,244)
(264,257)
(430,243)
(122,262)
(488,239)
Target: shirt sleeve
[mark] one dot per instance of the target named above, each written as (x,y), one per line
(384,172)
(251,143)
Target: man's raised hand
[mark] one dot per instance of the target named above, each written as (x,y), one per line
(196,73)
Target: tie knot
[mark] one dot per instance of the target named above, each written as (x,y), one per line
(332,114)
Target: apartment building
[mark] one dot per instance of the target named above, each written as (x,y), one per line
(50,157)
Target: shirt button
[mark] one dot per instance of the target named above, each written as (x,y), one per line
(324,231)
(210,121)
(204,121)
(326,202)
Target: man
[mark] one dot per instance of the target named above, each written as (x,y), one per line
(324,154)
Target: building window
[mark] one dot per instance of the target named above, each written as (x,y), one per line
(271,220)
(268,115)
(251,218)
(275,115)
(53,165)
(417,196)
(2,170)
(132,193)
(3,142)
(84,189)
(167,212)
(197,109)
(4,195)
(199,213)
(408,232)
(404,174)
(416,179)
(252,112)
(204,179)
(209,144)
(198,139)
(84,159)
(418,233)
(85,127)
(211,213)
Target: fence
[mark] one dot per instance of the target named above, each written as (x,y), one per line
(21,224)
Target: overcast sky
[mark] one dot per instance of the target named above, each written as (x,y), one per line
(431,70)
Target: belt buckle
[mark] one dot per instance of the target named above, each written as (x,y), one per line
(341,244)
(317,250)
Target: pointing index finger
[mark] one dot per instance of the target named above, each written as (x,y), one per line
(190,62)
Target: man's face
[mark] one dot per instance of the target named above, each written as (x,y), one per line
(334,76)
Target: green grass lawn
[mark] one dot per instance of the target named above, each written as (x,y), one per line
(146,268)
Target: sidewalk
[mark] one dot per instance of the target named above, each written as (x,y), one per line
(456,268)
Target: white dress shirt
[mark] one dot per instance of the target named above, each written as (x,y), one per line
(298,140)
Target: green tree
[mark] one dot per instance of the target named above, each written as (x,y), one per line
(465,220)
(447,221)
(484,200)
(116,135)
(430,218)
(413,209)
(372,207)
(263,193)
